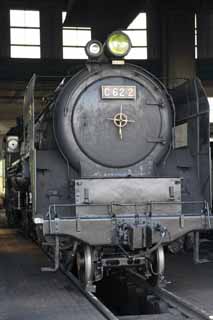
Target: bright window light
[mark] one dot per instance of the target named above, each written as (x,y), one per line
(24,18)
(195,28)
(137,31)
(2,177)
(74,41)
(25,34)
(210,99)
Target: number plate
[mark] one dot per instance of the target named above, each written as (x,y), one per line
(118,92)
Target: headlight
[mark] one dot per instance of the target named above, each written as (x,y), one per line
(94,49)
(118,44)
(12,144)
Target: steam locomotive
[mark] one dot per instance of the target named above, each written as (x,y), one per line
(115,167)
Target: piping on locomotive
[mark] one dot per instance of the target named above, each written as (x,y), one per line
(113,168)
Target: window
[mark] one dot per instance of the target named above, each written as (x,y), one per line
(74,41)
(24,34)
(195,26)
(137,31)
(2,180)
(210,99)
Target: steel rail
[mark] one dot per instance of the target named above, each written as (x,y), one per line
(184,307)
(187,309)
(89,295)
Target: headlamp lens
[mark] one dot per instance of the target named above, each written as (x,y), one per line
(94,48)
(119,44)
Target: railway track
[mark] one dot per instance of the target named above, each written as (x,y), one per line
(28,293)
(46,296)
(176,305)
(104,311)
(178,308)
(90,296)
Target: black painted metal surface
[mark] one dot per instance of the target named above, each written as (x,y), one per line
(84,128)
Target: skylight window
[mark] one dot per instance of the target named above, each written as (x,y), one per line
(74,41)
(25,34)
(137,31)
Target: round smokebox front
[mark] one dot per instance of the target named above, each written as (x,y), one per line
(113,125)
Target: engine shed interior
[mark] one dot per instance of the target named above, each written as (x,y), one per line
(43,42)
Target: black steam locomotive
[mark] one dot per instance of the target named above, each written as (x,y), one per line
(113,168)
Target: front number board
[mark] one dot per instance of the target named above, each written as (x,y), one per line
(118,92)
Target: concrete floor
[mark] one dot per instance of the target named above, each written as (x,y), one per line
(193,282)
(26,293)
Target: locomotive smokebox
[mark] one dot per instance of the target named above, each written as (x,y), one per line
(113,118)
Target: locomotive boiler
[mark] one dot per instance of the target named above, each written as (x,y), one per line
(114,167)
